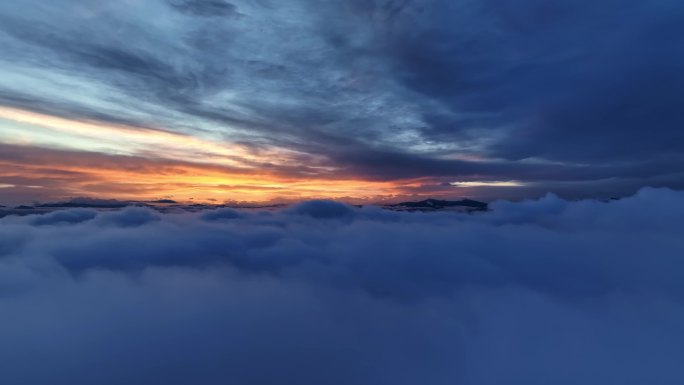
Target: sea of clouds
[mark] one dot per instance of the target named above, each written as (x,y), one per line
(536,292)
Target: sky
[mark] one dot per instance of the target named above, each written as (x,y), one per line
(535,292)
(357,100)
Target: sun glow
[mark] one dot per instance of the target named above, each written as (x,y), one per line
(96,175)
(105,160)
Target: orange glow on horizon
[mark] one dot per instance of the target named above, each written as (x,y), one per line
(189,182)
(111,161)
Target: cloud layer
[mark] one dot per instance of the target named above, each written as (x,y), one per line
(536,292)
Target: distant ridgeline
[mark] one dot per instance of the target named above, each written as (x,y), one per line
(466,205)
(167,205)
(98,205)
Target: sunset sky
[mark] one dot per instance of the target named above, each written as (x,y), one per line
(265,100)
(201,192)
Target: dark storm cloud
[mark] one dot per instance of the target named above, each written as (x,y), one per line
(578,81)
(382,88)
(383,164)
(536,292)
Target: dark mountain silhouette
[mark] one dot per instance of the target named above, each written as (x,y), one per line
(167,205)
(113,205)
(436,204)
(164,201)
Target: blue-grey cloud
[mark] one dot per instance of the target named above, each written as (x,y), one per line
(323,210)
(205,7)
(535,292)
(65,217)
